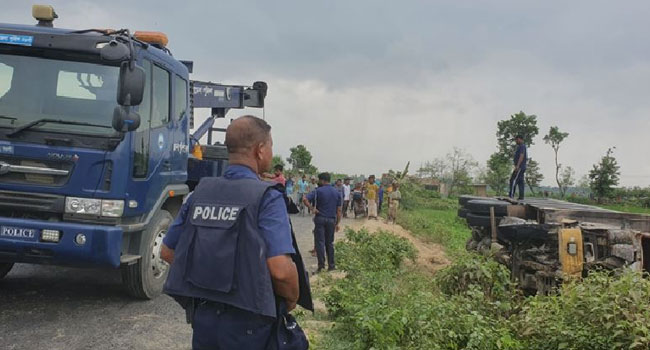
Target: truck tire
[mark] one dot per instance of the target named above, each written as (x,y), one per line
(475,220)
(462,200)
(145,278)
(483,207)
(5,268)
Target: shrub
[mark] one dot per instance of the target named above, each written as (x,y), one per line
(386,305)
(382,303)
(601,312)
(365,252)
(473,271)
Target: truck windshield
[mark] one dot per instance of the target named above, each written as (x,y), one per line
(33,88)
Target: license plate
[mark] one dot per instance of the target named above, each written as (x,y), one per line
(18,232)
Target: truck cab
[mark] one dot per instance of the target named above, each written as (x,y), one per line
(94,148)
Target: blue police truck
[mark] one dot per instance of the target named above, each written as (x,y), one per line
(95,149)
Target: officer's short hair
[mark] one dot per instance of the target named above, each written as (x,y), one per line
(324,177)
(243,138)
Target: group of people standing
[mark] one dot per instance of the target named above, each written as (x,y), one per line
(329,203)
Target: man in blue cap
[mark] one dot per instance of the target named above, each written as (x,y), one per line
(230,248)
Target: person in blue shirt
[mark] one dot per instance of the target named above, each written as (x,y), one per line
(518,174)
(289,187)
(301,189)
(327,208)
(220,325)
(380,196)
(338,185)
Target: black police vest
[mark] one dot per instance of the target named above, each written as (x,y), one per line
(221,255)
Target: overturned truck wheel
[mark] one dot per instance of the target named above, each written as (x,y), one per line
(483,206)
(462,200)
(476,220)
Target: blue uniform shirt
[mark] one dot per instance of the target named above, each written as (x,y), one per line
(327,200)
(289,187)
(273,221)
(302,186)
(521,149)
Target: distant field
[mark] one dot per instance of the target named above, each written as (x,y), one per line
(627,208)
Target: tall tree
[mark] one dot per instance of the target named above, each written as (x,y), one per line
(300,158)
(533,176)
(567,178)
(604,176)
(555,138)
(277,159)
(498,171)
(434,169)
(459,166)
(518,124)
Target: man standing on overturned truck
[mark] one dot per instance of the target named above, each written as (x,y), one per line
(230,248)
(517,177)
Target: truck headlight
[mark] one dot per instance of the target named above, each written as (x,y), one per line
(75,205)
(112,208)
(99,207)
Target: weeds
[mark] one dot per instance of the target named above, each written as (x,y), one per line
(382,303)
(385,304)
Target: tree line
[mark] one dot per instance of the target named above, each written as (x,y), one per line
(458,169)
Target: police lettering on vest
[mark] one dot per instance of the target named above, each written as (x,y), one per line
(216,213)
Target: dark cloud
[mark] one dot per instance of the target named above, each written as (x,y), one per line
(368,84)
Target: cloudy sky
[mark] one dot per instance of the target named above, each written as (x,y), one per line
(368,85)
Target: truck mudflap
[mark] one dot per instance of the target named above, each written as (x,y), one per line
(34,241)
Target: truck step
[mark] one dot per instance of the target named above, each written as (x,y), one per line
(129,259)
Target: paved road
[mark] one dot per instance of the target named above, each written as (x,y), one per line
(49,307)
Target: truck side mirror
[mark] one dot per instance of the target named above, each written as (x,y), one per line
(131,85)
(124,119)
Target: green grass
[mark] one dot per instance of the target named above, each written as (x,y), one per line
(627,208)
(438,226)
(433,219)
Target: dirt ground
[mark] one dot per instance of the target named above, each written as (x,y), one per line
(431,256)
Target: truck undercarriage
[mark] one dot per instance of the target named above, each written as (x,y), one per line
(545,241)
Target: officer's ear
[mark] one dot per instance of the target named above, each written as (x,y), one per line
(263,153)
(259,151)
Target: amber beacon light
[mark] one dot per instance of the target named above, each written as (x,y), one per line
(154,38)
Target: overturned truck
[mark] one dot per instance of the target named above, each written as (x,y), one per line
(545,241)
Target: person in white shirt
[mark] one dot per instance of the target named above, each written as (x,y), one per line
(346,197)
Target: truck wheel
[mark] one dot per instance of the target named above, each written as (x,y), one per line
(5,268)
(145,279)
(482,207)
(474,220)
(462,200)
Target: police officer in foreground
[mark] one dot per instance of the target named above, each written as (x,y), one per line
(230,248)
